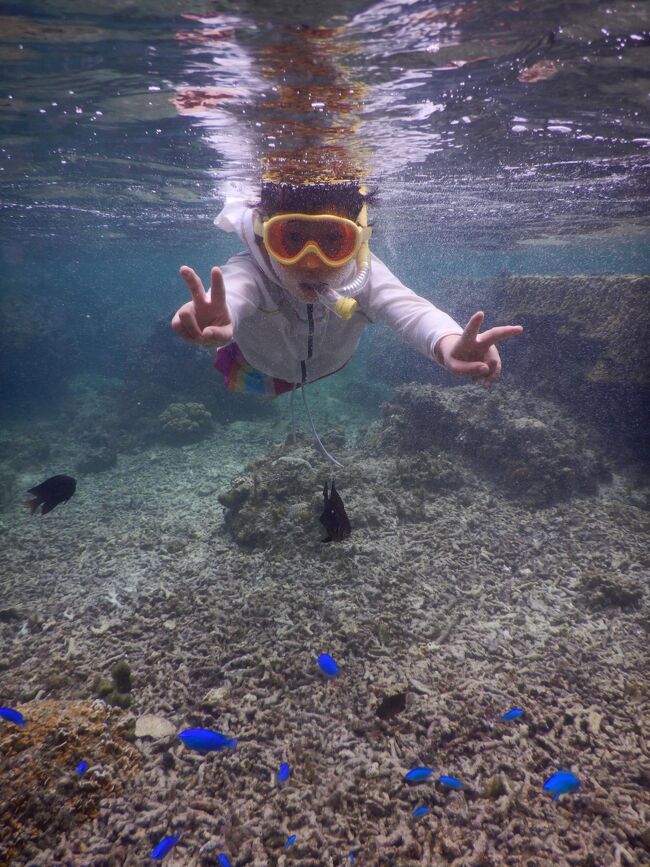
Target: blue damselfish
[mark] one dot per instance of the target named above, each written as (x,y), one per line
(450,782)
(206,740)
(81,768)
(418,775)
(420,811)
(327,665)
(290,841)
(164,847)
(224,860)
(11,715)
(515,713)
(284,772)
(561,783)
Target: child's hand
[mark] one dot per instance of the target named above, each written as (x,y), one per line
(473,354)
(204,320)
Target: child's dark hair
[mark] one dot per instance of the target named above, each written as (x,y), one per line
(316,198)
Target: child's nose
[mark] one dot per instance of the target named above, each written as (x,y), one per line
(311,262)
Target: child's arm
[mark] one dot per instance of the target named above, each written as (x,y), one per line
(432,332)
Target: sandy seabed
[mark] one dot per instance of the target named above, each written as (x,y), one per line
(470,606)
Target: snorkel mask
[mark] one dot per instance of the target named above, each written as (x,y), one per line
(335,240)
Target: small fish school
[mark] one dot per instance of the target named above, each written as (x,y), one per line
(203,740)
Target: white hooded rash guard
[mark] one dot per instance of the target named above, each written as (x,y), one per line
(271,326)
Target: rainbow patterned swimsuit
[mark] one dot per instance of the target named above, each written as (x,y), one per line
(239,375)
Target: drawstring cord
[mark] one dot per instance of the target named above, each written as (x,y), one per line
(321,447)
(303,384)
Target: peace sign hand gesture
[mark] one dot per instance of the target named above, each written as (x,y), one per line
(473,354)
(204,320)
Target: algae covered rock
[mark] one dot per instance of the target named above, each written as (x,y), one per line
(602,320)
(605,590)
(184,423)
(276,502)
(584,344)
(535,452)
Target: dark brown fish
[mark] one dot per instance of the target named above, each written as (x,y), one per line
(51,492)
(391,705)
(334,518)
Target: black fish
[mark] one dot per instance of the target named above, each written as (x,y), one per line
(51,492)
(334,519)
(391,705)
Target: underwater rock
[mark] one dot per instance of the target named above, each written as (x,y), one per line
(151,726)
(277,502)
(183,423)
(604,590)
(216,696)
(165,370)
(115,692)
(121,674)
(535,452)
(584,344)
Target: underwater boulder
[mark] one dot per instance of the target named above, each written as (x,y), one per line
(585,344)
(536,452)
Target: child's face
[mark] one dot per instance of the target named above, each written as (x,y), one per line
(300,277)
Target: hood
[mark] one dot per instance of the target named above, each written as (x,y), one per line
(237,216)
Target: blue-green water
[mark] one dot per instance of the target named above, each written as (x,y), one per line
(498,554)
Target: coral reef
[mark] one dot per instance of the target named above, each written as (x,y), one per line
(450,603)
(183,423)
(602,589)
(433,443)
(534,450)
(116,691)
(584,345)
(597,323)
(165,370)
(43,797)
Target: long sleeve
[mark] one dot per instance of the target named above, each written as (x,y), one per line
(419,322)
(243,295)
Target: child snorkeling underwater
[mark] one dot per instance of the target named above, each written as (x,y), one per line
(291,309)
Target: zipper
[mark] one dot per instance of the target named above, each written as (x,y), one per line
(310,342)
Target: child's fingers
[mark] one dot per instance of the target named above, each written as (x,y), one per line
(194,284)
(216,335)
(189,327)
(472,327)
(217,294)
(500,332)
(468,368)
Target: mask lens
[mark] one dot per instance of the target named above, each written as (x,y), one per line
(288,237)
(335,238)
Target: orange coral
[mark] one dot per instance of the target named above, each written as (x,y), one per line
(42,794)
